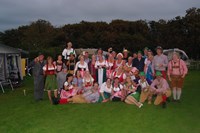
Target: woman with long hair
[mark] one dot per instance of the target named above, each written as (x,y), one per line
(109,66)
(78,82)
(133,96)
(51,83)
(68,91)
(71,63)
(100,67)
(105,91)
(119,73)
(92,69)
(87,81)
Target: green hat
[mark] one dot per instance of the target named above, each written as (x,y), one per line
(139,52)
(158,73)
(142,74)
(146,48)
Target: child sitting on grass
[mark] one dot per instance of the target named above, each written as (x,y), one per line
(69,91)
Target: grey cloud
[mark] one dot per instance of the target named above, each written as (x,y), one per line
(14,13)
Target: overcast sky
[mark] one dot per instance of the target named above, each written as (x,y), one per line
(14,13)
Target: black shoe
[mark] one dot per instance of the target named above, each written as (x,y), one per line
(168,100)
(173,100)
(164,105)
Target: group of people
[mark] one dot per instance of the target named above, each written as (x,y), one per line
(99,77)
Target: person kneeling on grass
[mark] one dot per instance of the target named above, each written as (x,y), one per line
(145,88)
(90,96)
(51,83)
(105,91)
(160,87)
(69,91)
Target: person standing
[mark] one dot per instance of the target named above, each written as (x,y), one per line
(148,68)
(38,76)
(139,62)
(145,50)
(66,52)
(177,70)
(160,62)
(109,66)
(125,55)
(49,71)
(100,67)
(91,67)
(81,66)
(61,78)
(119,61)
(86,57)
(59,64)
(71,63)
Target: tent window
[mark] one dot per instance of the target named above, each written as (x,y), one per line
(2,72)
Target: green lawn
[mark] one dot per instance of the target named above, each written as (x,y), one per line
(19,113)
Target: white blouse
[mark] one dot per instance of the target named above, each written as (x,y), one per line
(143,84)
(104,88)
(109,64)
(69,85)
(49,68)
(97,64)
(120,87)
(82,66)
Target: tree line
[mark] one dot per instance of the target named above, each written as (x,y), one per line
(41,36)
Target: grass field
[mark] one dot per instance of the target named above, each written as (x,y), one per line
(19,113)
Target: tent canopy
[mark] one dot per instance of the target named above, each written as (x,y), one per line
(10,63)
(8,50)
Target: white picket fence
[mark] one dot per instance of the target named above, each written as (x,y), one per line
(194,65)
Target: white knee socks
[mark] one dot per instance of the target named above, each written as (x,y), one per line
(179,93)
(174,93)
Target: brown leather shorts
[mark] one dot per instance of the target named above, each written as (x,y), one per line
(177,81)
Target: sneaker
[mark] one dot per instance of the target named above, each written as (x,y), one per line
(140,105)
(173,100)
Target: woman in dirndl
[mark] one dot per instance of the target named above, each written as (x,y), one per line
(51,83)
(105,91)
(133,96)
(109,66)
(116,94)
(91,67)
(81,66)
(68,91)
(71,63)
(87,81)
(100,67)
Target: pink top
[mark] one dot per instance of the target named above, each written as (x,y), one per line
(161,85)
(177,68)
(67,94)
